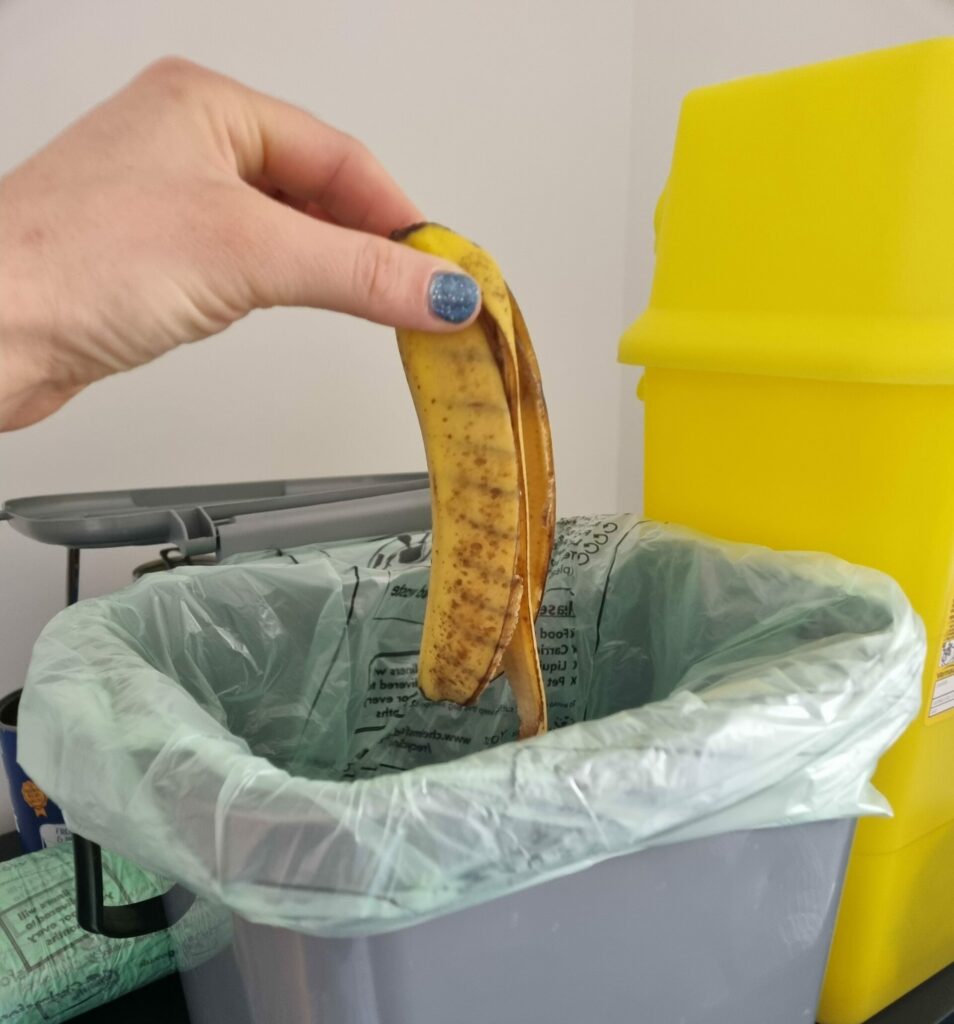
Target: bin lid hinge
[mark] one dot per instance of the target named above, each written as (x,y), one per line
(193,531)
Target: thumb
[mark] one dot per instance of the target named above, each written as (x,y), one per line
(309,262)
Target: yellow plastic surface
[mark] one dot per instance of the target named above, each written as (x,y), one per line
(800,394)
(807,226)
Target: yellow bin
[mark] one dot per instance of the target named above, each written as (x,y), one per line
(799,392)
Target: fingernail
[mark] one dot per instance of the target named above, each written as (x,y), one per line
(453,297)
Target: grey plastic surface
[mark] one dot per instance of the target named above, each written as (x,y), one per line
(733,929)
(385,514)
(196,519)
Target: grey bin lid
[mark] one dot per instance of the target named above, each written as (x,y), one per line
(223,519)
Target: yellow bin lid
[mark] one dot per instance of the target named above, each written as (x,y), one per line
(807,227)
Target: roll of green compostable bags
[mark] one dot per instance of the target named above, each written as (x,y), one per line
(50,969)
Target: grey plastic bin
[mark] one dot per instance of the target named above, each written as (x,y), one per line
(733,929)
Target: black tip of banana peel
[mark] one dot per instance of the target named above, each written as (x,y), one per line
(399,234)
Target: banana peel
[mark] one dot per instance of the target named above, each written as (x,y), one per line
(483,418)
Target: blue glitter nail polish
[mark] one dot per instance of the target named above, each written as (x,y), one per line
(453,297)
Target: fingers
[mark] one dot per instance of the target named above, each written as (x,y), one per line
(285,148)
(324,242)
(295,260)
(312,161)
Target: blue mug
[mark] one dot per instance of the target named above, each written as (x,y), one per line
(39,820)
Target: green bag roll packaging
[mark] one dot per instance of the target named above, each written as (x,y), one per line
(51,970)
(256,731)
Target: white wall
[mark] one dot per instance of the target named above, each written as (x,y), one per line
(542,128)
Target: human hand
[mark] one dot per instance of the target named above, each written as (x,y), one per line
(175,208)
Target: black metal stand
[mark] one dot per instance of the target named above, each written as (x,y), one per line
(125,922)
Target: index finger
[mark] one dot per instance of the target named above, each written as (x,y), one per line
(313,161)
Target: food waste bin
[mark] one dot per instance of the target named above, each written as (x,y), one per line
(671,851)
(729,928)
(799,393)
